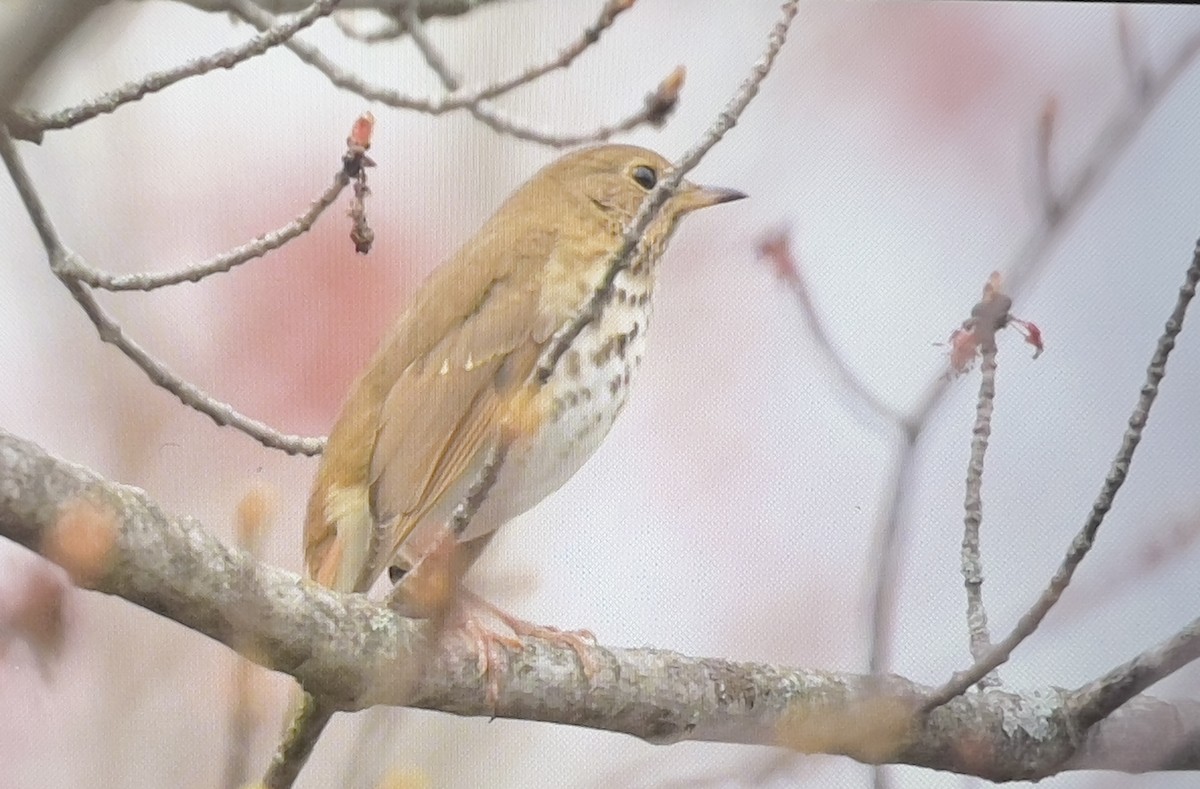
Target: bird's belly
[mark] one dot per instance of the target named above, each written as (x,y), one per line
(580,402)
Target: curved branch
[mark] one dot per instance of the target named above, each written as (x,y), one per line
(356,654)
(220,264)
(658,105)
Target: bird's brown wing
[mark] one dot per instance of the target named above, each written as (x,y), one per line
(442,420)
(405,427)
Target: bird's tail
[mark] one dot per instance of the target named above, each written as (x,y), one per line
(309,721)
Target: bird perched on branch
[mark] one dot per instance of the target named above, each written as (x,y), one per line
(467,370)
(497,383)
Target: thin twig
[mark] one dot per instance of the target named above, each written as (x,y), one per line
(430,53)
(63,262)
(1133,56)
(1098,162)
(226,261)
(302,735)
(1096,700)
(590,36)
(777,248)
(32,124)
(972,561)
(887,550)
(623,257)
(428,9)
(1051,203)
(658,105)
(1112,484)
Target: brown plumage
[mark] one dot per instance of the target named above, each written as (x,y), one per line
(457,370)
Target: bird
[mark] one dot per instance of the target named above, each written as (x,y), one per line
(478,364)
(491,390)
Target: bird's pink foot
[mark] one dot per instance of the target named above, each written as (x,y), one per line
(580,641)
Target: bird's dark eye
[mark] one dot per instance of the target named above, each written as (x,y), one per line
(645,177)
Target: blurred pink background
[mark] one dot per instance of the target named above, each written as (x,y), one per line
(731,511)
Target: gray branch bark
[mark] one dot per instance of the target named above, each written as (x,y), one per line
(356,654)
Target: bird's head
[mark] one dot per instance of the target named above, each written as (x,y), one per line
(611,181)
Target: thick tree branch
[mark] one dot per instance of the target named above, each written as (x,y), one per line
(355,653)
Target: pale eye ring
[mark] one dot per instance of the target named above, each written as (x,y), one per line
(644,176)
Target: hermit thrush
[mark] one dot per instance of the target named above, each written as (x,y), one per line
(469,365)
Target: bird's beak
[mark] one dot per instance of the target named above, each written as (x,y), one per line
(695,197)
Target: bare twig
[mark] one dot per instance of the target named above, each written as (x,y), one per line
(972,562)
(1133,57)
(301,737)
(224,262)
(32,124)
(429,51)
(777,249)
(978,334)
(1051,205)
(1097,162)
(1108,491)
(590,36)
(426,9)
(631,239)
(658,105)
(1099,698)
(63,263)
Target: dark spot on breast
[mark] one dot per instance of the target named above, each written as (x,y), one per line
(603,353)
(614,386)
(622,341)
(573,363)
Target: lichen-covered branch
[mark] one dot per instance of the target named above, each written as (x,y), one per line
(356,654)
